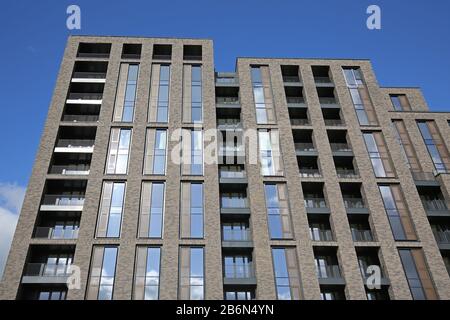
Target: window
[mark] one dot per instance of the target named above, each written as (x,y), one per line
(401,224)
(192,94)
(52,295)
(126,93)
(262,94)
(191,210)
(396,103)
(270,154)
(378,154)
(278,211)
(155,152)
(146,282)
(111,209)
(152,210)
(159,94)
(102,273)
(416,272)
(191,284)
(119,146)
(192,147)
(287,279)
(433,142)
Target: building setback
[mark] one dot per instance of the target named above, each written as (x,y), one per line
(348,175)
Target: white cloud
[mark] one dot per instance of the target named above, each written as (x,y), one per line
(11,198)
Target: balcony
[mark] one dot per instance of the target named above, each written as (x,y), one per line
(75,146)
(229,124)
(291,80)
(310,173)
(238,273)
(334,122)
(321,76)
(328,102)
(340,147)
(227,102)
(302,147)
(44,273)
(85,93)
(62,202)
(94,50)
(236,238)
(355,206)
(323,82)
(62,233)
(319,228)
(162,52)
(345,173)
(131,51)
(291,75)
(70,169)
(97,77)
(441,232)
(296,102)
(226,79)
(433,201)
(233,199)
(232,174)
(192,52)
(424,178)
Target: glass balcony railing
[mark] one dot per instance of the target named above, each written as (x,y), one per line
(322,80)
(63,200)
(227,100)
(226,80)
(434,205)
(329,271)
(299,122)
(89,75)
(346,173)
(334,122)
(315,203)
(320,235)
(235,271)
(56,232)
(75,143)
(291,79)
(357,203)
(309,173)
(80,117)
(234,203)
(47,270)
(70,169)
(295,100)
(305,146)
(85,96)
(362,235)
(340,147)
(232,174)
(442,237)
(236,235)
(327,101)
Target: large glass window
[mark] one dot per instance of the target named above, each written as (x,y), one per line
(191,273)
(191,210)
(152,210)
(111,209)
(163,94)
(393,213)
(196,152)
(146,285)
(155,152)
(262,95)
(118,153)
(281,274)
(269,150)
(409,266)
(278,211)
(431,146)
(102,274)
(374,155)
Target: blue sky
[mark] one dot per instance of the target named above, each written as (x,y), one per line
(411,49)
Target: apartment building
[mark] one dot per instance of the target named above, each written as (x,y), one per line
(318,175)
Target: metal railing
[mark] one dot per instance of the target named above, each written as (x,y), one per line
(354,203)
(295,100)
(346,173)
(329,271)
(340,147)
(315,203)
(75,143)
(299,122)
(56,233)
(224,173)
(434,205)
(88,75)
(80,169)
(47,270)
(321,235)
(233,203)
(80,117)
(236,235)
(362,235)
(85,96)
(63,200)
(291,79)
(309,173)
(304,146)
(334,122)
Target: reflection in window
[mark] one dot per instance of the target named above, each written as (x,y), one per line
(146,285)
(152,210)
(119,146)
(431,146)
(393,213)
(374,155)
(278,211)
(111,209)
(102,274)
(191,273)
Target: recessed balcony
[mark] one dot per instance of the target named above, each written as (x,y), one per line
(75,140)
(85,93)
(232,174)
(90,72)
(321,76)
(238,270)
(64,195)
(291,75)
(226,79)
